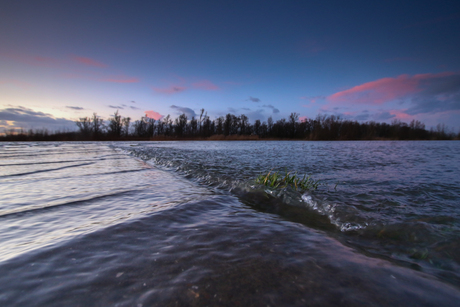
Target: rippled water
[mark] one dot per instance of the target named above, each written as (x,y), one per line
(183,223)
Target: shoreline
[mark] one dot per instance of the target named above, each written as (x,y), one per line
(237,138)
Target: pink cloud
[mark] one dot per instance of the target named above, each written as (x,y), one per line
(312,99)
(89,62)
(34,60)
(17,83)
(120,80)
(400,114)
(303,118)
(153,114)
(205,85)
(170,90)
(40,60)
(95,76)
(385,89)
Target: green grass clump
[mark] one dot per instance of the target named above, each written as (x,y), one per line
(277,180)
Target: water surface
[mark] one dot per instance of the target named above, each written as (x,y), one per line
(183,223)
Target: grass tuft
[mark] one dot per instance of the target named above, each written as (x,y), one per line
(275,180)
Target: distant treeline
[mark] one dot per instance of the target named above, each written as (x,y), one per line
(232,127)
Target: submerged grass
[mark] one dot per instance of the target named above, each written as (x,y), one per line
(277,180)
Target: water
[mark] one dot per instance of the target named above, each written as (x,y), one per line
(184,224)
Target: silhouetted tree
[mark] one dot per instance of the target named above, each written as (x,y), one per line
(228,124)
(180,124)
(115,125)
(151,127)
(126,121)
(84,124)
(323,127)
(243,123)
(165,125)
(97,124)
(293,118)
(257,127)
(140,127)
(270,126)
(193,125)
(263,130)
(219,123)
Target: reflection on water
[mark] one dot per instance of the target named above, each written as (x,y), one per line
(42,204)
(182,223)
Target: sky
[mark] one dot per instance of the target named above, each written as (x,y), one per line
(360,60)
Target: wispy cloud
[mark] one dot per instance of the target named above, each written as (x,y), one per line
(404,97)
(313,99)
(36,60)
(153,114)
(386,89)
(21,84)
(74,108)
(69,70)
(256,114)
(205,85)
(254,99)
(174,89)
(120,79)
(100,77)
(269,106)
(21,117)
(438,95)
(88,61)
(115,107)
(187,111)
(46,61)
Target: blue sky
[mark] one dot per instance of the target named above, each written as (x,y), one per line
(362,60)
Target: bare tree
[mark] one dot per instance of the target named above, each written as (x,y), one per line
(97,124)
(193,125)
(84,124)
(269,125)
(126,121)
(181,123)
(115,125)
(243,119)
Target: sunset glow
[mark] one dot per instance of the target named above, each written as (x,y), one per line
(328,58)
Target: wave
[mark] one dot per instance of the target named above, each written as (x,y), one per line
(46,162)
(39,208)
(342,212)
(46,170)
(221,177)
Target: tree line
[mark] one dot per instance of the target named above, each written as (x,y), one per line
(230,126)
(323,127)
